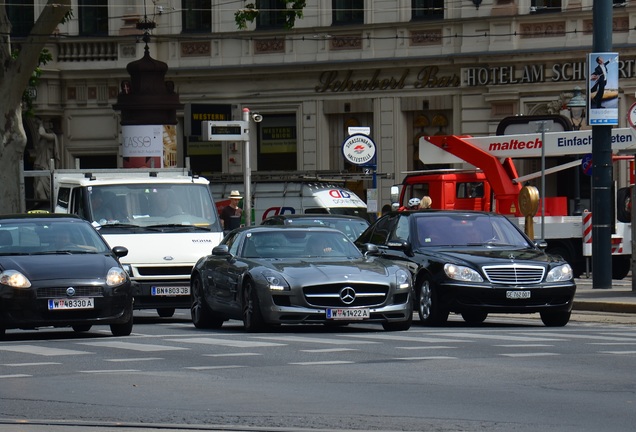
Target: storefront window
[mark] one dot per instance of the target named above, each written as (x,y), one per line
(348,12)
(427,9)
(277,143)
(20,13)
(269,14)
(93,17)
(196,16)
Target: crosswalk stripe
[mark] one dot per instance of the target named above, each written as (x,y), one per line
(315,340)
(40,350)
(133,346)
(321,363)
(226,342)
(395,337)
(539,354)
(31,364)
(15,376)
(550,338)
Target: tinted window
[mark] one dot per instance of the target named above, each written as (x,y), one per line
(196,16)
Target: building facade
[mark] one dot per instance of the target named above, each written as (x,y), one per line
(403,68)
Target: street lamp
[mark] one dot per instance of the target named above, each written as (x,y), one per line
(576,106)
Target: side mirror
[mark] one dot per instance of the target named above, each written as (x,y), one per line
(542,244)
(221,250)
(395,194)
(371,249)
(403,246)
(120,251)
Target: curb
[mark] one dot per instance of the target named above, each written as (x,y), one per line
(604,306)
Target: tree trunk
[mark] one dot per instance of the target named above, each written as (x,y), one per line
(14,78)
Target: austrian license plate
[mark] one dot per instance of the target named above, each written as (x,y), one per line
(170,291)
(518,294)
(75,303)
(347,314)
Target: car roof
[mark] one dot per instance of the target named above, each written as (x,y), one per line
(40,216)
(274,228)
(316,216)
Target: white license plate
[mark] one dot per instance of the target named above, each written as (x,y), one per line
(347,314)
(170,291)
(518,294)
(75,303)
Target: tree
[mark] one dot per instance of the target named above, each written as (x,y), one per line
(15,72)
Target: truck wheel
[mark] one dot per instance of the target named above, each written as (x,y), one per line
(165,312)
(621,265)
(428,307)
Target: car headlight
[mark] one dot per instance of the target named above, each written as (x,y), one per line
(403,279)
(462,273)
(15,279)
(115,276)
(275,282)
(561,273)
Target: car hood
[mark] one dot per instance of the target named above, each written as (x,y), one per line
(326,271)
(490,256)
(63,266)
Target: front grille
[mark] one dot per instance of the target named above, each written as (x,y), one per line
(329,295)
(165,271)
(60,292)
(514,274)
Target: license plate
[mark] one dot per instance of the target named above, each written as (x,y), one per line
(170,291)
(518,294)
(347,314)
(75,303)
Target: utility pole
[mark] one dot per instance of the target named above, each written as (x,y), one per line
(602,175)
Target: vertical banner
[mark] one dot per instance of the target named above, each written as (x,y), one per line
(142,146)
(602,88)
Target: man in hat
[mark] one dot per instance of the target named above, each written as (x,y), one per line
(231,210)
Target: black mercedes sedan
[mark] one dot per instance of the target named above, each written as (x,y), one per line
(271,275)
(57,271)
(473,263)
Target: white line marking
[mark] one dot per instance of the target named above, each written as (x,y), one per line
(31,364)
(107,371)
(426,347)
(133,359)
(321,363)
(214,367)
(38,350)
(134,346)
(233,355)
(15,376)
(226,342)
(529,354)
(314,340)
(328,350)
(426,358)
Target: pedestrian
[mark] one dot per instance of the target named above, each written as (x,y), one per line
(231,210)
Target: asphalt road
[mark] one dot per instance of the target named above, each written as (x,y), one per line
(510,374)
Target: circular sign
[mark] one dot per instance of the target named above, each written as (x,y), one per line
(586,164)
(358,149)
(631,116)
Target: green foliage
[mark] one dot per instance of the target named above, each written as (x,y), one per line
(34,80)
(294,9)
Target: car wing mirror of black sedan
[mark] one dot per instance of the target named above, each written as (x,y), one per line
(403,246)
(120,251)
(221,250)
(541,244)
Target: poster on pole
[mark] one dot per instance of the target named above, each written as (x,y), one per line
(602,89)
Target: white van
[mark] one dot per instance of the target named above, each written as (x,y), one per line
(166,218)
(293,197)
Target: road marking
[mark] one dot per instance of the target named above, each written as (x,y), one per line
(313,340)
(524,345)
(328,350)
(321,363)
(426,347)
(107,371)
(539,354)
(134,346)
(394,337)
(233,355)
(618,352)
(133,359)
(226,342)
(15,376)
(502,337)
(39,350)
(214,367)
(426,358)
(590,336)
(31,364)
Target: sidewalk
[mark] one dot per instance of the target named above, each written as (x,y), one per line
(618,299)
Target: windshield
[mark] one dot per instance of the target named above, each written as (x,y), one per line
(351,227)
(299,244)
(467,230)
(153,204)
(48,236)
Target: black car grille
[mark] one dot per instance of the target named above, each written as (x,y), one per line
(60,292)
(331,295)
(165,271)
(514,274)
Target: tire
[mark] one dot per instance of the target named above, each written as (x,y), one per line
(555,319)
(621,265)
(2,332)
(474,317)
(81,328)
(202,316)
(253,320)
(429,310)
(123,329)
(165,312)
